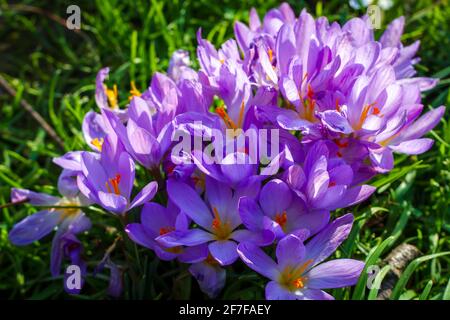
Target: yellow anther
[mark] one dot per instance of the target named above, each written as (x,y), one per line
(134,92)
(98,143)
(112,95)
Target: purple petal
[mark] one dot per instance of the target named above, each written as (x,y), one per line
(275,291)
(315,294)
(70,161)
(336,122)
(335,274)
(424,124)
(290,251)
(257,260)
(190,203)
(115,203)
(191,237)
(145,195)
(35,198)
(260,238)
(416,146)
(194,254)
(223,251)
(210,278)
(34,227)
(275,197)
(137,233)
(329,239)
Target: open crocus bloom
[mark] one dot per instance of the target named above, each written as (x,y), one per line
(281,211)
(107,179)
(299,273)
(62,214)
(156,221)
(218,217)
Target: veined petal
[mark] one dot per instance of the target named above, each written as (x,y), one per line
(329,239)
(34,227)
(190,203)
(335,274)
(257,260)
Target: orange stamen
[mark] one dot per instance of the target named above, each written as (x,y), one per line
(341,144)
(114,182)
(281,219)
(270,53)
(298,283)
(216,224)
(226,118)
(365,113)
(165,230)
(338,108)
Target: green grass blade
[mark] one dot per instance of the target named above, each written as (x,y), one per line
(410,270)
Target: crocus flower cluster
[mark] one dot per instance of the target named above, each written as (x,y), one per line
(340,102)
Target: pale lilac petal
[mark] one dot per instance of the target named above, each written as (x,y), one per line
(194,254)
(34,227)
(275,197)
(115,203)
(329,239)
(412,147)
(137,233)
(191,237)
(34,198)
(257,260)
(315,294)
(145,195)
(211,279)
(274,291)
(290,251)
(190,203)
(335,274)
(223,251)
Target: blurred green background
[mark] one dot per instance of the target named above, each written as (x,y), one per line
(54,69)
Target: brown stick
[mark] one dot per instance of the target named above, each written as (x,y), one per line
(44,124)
(398,259)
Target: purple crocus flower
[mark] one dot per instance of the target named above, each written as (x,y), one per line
(107,179)
(38,225)
(156,221)
(143,137)
(218,217)
(69,220)
(324,183)
(298,273)
(281,211)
